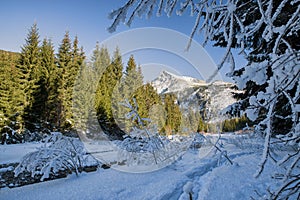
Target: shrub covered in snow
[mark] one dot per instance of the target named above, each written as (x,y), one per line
(58,153)
(145,146)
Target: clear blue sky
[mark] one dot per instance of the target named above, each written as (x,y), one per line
(85,18)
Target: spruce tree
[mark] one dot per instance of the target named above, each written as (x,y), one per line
(103,100)
(50,81)
(29,78)
(4,88)
(132,80)
(146,97)
(7,87)
(83,99)
(77,62)
(201,125)
(70,58)
(100,59)
(64,57)
(173,113)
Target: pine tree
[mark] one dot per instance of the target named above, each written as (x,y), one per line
(29,77)
(70,58)
(50,81)
(201,125)
(103,100)
(64,58)
(83,99)
(100,59)
(132,80)
(8,61)
(146,97)
(173,113)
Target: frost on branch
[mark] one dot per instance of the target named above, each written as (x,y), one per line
(144,146)
(59,153)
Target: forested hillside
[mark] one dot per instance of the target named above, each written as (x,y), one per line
(37,91)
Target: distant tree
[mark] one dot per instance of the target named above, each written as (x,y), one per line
(229,125)
(100,59)
(134,77)
(190,120)
(173,113)
(243,122)
(201,125)
(146,97)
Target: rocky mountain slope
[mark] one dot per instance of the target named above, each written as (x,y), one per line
(196,94)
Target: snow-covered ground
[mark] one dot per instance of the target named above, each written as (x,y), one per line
(195,174)
(14,153)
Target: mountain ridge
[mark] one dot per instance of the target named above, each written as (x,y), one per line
(168,82)
(210,99)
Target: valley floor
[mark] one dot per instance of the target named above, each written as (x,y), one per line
(209,177)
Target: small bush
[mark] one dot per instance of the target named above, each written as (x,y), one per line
(59,153)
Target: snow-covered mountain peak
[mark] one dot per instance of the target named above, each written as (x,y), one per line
(167,82)
(194,93)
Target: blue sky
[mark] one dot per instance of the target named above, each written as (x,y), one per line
(85,18)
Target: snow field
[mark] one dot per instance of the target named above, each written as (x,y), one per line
(206,177)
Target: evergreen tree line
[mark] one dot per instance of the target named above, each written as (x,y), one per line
(37,84)
(194,121)
(42,91)
(119,84)
(37,90)
(105,84)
